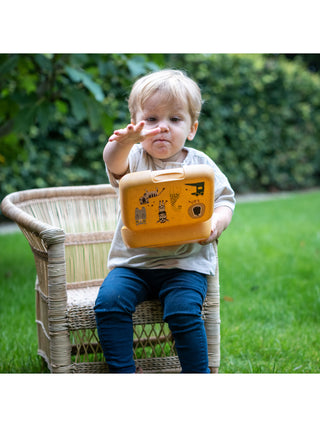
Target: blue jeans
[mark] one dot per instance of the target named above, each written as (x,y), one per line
(181,294)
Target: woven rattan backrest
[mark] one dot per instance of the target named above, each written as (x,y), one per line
(78,213)
(88,219)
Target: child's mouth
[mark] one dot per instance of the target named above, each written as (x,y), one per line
(161,140)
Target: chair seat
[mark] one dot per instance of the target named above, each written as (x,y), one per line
(80,303)
(80,312)
(149,331)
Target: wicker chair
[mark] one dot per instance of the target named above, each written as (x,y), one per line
(70,230)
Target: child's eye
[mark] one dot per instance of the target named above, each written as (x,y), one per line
(175,119)
(151,119)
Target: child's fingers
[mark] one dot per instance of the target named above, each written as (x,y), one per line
(119,132)
(152,132)
(213,236)
(133,132)
(140,125)
(131,128)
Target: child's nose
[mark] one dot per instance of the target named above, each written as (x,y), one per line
(164,126)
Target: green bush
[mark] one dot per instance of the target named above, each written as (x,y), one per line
(260,120)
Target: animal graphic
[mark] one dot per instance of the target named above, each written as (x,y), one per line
(140,216)
(149,194)
(162,212)
(173,198)
(197,210)
(199,188)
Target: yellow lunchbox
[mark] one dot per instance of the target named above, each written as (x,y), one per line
(167,207)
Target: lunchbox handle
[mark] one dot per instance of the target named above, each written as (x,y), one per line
(168,175)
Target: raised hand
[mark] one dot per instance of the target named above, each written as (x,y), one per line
(133,134)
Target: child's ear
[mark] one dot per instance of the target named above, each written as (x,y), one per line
(193,130)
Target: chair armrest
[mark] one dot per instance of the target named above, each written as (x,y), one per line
(48,233)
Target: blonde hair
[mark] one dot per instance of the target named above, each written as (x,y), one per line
(173,84)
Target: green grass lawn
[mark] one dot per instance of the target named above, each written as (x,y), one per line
(270,287)
(270,291)
(18,334)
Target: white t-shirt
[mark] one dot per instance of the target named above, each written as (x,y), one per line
(190,256)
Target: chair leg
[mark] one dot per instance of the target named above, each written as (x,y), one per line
(214,370)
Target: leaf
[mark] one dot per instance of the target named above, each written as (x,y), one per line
(61,106)
(44,116)
(25,118)
(137,66)
(94,114)
(29,83)
(9,64)
(43,62)
(77,100)
(81,76)
(107,123)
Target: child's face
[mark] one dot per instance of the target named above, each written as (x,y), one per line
(173,119)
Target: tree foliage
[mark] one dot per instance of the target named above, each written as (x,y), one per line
(260,120)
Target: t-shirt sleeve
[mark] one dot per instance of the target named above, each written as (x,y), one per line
(223,193)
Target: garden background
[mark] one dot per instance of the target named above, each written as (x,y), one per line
(261,124)
(260,120)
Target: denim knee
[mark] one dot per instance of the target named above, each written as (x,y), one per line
(183,302)
(121,291)
(108,300)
